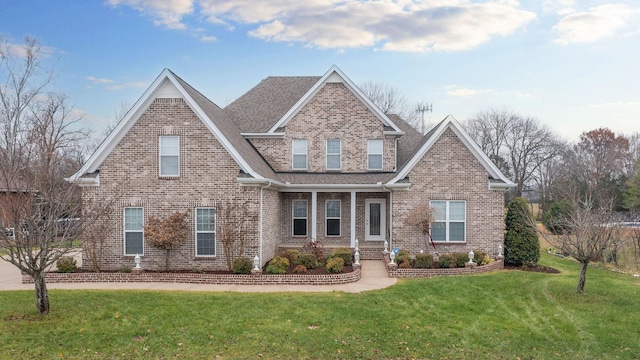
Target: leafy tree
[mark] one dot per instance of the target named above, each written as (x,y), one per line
(167,234)
(554,217)
(521,244)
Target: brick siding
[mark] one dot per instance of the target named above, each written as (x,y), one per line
(449,171)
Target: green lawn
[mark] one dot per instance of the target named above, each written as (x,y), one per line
(503,315)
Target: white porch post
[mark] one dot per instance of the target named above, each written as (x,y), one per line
(314,215)
(353,218)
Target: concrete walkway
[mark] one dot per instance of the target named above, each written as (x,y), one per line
(374,276)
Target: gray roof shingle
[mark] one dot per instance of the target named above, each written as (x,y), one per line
(261,107)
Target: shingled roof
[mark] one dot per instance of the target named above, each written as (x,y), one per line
(262,106)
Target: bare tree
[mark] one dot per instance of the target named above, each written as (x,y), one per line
(37,150)
(518,145)
(233,225)
(391,101)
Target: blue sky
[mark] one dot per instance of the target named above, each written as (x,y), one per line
(574,65)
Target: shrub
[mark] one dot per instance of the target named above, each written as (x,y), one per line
(344,253)
(335,265)
(405,264)
(299,269)
(278,265)
(403,256)
(521,244)
(242,265)
(424,261)
(66,264)
(461,258)
(315,248)
(309,261)
(124,269)
(291,255)
(480,257)
(447,261)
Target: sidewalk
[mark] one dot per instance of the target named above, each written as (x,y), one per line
(374,276)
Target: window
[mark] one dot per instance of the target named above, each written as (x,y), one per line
(205,232)
(374,155)
(300,217)
(333,217)
(450,220)
(133,231)
(333,155)
(170,156)
(299,151)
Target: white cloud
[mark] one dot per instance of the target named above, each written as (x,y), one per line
(19,50)
(393,25)
(208,38)
(596,24)
(168,13)
(454,90)
(95,80)
(127,85)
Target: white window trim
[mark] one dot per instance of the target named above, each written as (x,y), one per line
(369,153)
(306,155)
(214,232)
(125,231)
(293,217)
(326,218)
(160,155)
(339,154)
(447,221)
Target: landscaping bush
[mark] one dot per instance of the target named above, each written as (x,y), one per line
(405,264)
(242,265)
(403,256)
(310,261)
(335,265)
(66,264)
(278,265)
(315,248)
(447,261)
(521,244)
(124,269)
(291,255)
(461,258)
(344,253)
(480,257)
(299,269)
(424,261)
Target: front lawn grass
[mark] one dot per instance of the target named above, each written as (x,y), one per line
(501,315)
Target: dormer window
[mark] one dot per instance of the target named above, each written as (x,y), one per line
(374,154)
(299,151)
(169,156)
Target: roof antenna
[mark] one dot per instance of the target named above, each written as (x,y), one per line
(422,108)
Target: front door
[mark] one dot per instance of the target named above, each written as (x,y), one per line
(374,219)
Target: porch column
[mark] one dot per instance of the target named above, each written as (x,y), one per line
(314,215)
(353,218)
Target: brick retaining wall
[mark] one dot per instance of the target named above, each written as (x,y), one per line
(396,272)
(195,278)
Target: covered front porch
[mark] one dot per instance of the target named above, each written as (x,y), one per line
(336,218)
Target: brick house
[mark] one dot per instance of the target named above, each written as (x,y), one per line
(310,158)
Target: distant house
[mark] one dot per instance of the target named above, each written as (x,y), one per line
(311,158)
(12,199)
